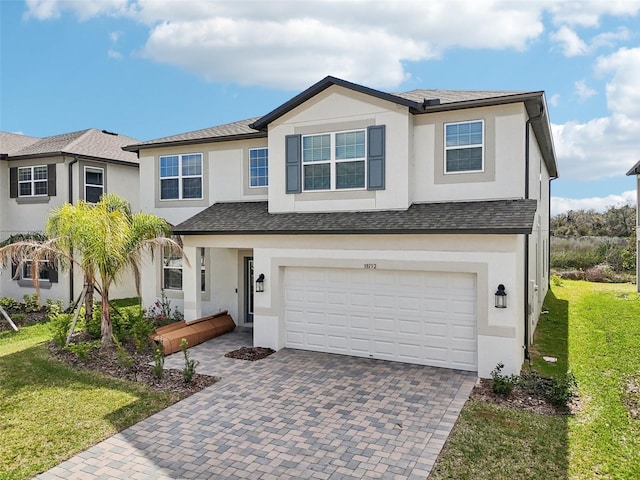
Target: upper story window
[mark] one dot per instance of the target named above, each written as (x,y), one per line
(258,167)
(181,177)
(93,184)
(32,181)
(464,147)
(334,161)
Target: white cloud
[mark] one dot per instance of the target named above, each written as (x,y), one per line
(599,204)
(83,9)
(587,13)
(114,54)
(554,100)
(605,146)
(582,91)
(570,43)
(114,37)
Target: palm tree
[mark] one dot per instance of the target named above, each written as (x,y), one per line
(105,240)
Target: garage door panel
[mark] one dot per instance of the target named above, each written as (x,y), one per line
(418,317)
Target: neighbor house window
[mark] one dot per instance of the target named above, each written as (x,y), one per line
(43,271)
(181,177)
(258,167)
(334,161)
(93,184)
(172,270)
(464,147)
(32,181)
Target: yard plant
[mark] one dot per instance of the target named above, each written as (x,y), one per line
(594,332)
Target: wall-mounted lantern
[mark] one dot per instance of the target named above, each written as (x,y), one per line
(501,297)
(260,283)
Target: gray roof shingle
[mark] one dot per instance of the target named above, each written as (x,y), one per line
(253,218)
(14,142)
(452,96)
(635,170)
(88,143)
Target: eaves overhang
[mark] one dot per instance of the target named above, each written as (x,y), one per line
(176,143)
(71,154)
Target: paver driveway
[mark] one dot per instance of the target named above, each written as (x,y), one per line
(295,414)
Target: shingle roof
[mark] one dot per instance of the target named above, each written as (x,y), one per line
(220,132)
(87,143)
(14,142)
(451,96)
(253,218)
(635,170)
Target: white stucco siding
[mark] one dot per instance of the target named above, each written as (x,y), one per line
(504,145)
(337,109)
(492,260)
(125,182)
(225,178)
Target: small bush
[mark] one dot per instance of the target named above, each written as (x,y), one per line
(122,356)
(160,312)
(556,280)
(189,369)
(9,304)
(60,325)
(31,303)
(141,329)
(82,349)
(558,391)
(158,362)
(54,307)
(19,318)
(503,384)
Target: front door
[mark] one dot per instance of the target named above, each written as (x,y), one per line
(248,289)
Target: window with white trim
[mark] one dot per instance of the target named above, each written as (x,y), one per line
(172,270)
(32,181)
(93,184)
(258,167)
(43,271)
(464,147)
(181,177)
(334,161)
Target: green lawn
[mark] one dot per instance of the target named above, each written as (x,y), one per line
(48,411)
(594,331)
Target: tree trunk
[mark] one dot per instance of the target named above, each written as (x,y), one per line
(106,328)
(88,300)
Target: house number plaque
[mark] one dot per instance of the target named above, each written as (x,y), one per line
(370,266)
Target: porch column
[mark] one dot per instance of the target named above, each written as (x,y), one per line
(191,284)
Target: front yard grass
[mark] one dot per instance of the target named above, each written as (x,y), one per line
(50,411)
(594,331)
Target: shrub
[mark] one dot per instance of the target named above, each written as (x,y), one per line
(160,312)
(54,307)
(31,303)
(122,356)
(502,384)
(60,324)
(9,304)
(556,280)
(602,273)
(82,349)
(158,362)
(558,391)
(189,369)
(141,329)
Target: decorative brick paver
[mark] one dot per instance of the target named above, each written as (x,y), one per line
(292,415)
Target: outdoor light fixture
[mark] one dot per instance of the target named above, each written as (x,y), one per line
(501,297)
(260,283)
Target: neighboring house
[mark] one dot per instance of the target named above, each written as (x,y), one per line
(38,174)
(358,222)
(635,170)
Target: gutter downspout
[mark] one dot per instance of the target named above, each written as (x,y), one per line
(71,285)
(527,135)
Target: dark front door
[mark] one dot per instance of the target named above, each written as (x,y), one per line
(248,289)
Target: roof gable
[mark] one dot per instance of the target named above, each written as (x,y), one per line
(635,170)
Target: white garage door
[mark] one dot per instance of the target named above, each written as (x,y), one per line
(428,318)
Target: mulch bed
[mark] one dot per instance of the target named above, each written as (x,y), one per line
(520,399)
(250,353)
(105,360)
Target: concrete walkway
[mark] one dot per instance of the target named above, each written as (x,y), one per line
(295,414)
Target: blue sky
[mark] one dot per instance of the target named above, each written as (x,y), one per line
(151,68)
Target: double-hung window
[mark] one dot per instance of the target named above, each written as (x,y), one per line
(32,181)
(334,161)
(93,184)
(464,147)
(181,177)
(172,270)
(258,167)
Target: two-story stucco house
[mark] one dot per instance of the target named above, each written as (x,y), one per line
(357,222)
(635,170)
(39,174)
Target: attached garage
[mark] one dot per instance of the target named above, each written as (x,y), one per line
(427,318)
